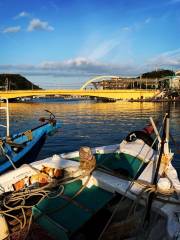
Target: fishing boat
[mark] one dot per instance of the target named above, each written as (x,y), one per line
(24,147)
(139,169)
(134,181)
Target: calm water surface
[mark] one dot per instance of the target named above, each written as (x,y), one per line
(91,124)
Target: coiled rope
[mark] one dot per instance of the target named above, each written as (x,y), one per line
(17,200)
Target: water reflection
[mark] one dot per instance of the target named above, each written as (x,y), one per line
(88,123)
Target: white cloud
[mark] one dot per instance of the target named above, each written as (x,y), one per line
(82,66)
(37,24)
(168,59)
(119,44)
(13,29)
(104,48)
(137,25)
(22,15)
(77,66)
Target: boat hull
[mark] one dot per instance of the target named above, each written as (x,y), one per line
(31,147)
(56,214)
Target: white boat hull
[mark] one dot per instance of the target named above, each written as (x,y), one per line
(170,211)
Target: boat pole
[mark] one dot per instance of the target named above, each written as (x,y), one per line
(162,150)
(155,129)
(166,150)
(155,180)
(7,118)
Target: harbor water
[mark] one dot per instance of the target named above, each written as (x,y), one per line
(88,123)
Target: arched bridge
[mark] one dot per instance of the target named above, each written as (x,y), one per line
(100,93)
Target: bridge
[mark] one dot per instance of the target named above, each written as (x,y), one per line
(99,93)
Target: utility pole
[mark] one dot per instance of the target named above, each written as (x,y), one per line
(6,84)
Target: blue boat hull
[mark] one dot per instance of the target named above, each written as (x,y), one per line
(30,149)
(30,156)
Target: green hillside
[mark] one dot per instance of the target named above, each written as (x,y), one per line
(160,73)
(16,82)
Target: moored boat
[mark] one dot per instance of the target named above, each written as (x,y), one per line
(23,147)
(74,187)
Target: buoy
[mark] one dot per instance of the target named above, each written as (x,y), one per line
(56,157)
(4,233)
(39,178)
(163,185)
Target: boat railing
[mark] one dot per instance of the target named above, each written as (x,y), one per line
(6,108)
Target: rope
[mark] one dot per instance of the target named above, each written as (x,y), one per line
(29,135)
(8,157)
(17,201)
(159,192)
(155,188)
(128,189)
(71,198)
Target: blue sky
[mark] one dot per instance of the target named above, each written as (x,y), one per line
(63,43)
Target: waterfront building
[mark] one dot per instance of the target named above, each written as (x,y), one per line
(132,83)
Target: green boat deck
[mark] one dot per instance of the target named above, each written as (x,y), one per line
(61,217)
(116,161)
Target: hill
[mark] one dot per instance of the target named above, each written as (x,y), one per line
(16,82)
(160,73)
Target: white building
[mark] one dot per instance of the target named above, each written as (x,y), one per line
(175,81)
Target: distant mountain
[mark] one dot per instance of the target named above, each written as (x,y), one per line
(160,73)
(16,82)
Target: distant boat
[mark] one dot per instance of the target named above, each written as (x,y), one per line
(24,147)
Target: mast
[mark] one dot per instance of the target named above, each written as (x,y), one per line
(7,118)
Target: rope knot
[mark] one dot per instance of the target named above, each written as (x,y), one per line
(87,159)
